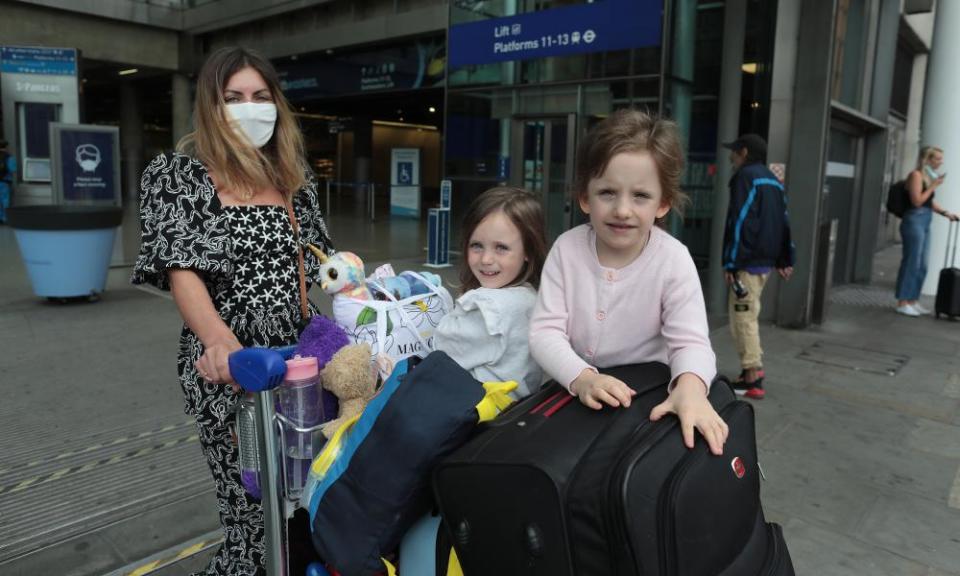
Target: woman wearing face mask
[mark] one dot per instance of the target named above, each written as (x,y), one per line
(223,223)
(921,185)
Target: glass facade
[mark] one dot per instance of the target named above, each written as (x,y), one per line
(849,51)
(519,122)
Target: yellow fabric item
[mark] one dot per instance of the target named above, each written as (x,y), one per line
(391,569)
(332,448)
(496,400)
(453,565)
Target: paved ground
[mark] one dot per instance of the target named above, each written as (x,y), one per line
(100,470)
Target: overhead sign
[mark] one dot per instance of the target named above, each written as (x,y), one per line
(407,66)
(596,27)
(31,60)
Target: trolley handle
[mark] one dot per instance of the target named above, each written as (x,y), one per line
(953,231)
(259,369)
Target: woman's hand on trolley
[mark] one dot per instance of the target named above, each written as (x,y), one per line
(212,365)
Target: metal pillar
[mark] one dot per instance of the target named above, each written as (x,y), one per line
(728,124)
(875,144)
(182,107)
(807,157)
(131,165)
(681,83)
(941,116)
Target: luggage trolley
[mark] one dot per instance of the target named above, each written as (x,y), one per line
(261,371)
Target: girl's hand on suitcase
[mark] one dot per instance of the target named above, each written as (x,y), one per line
(688,400)
(595,389)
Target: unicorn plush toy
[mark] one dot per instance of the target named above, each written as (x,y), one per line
(343,274)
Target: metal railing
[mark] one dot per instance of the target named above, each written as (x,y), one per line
(368,187)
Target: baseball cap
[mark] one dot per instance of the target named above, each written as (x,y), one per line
(754,143)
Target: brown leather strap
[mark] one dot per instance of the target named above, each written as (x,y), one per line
(303,280)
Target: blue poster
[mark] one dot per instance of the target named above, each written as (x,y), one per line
(87,165)
(597,27)
(30,60)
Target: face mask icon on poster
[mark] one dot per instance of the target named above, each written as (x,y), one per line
(254,120)
(88,157)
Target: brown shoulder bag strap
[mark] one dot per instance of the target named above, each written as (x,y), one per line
(304,310)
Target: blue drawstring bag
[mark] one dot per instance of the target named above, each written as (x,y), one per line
(372,480)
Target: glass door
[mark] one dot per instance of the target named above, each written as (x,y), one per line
(842,177)
(543,149)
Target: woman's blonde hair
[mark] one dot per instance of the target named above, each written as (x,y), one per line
(239,167)
(630,130)
(926,153)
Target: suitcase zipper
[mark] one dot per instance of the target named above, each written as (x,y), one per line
(616,523)
(668,562)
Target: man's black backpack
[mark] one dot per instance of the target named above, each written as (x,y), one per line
(4,170)
(898,199)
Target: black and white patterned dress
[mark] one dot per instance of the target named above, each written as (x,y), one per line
(247,257)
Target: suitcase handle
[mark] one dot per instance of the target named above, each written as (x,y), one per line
(954,230)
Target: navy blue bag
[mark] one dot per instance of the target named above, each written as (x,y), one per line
(373,482)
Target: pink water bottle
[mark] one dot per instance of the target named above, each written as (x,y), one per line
(300,403)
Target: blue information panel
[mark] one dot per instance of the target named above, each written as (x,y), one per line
(87,164)
(438,237)
(446,189)
(503,168)
(597,27)
(29,60)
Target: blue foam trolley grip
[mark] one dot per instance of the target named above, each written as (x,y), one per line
(259,369)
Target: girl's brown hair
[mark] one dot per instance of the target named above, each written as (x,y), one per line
(630,130)
(524,211)
(240,167)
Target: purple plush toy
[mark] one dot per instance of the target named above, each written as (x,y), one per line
(321,339)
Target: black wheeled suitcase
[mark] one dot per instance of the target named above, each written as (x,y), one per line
(554,488)
(948,287)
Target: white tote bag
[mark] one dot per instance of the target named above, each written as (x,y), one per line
(397,328)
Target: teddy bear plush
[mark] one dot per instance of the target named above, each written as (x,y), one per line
(352,378)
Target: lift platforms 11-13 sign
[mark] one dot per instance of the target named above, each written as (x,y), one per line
(596,27)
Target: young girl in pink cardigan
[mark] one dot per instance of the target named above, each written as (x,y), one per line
(620,290)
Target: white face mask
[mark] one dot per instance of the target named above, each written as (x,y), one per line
(255,120)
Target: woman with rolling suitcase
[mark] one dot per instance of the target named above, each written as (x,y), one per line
(921,185)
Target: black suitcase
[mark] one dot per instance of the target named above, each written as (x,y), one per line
(552,488)
(948,287)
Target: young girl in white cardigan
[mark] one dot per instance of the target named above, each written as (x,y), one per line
(620,290)
(503,250)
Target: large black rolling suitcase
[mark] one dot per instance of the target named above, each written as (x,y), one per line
(948,287)
(552,488)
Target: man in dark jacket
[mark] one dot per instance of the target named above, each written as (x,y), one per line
(756,240)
